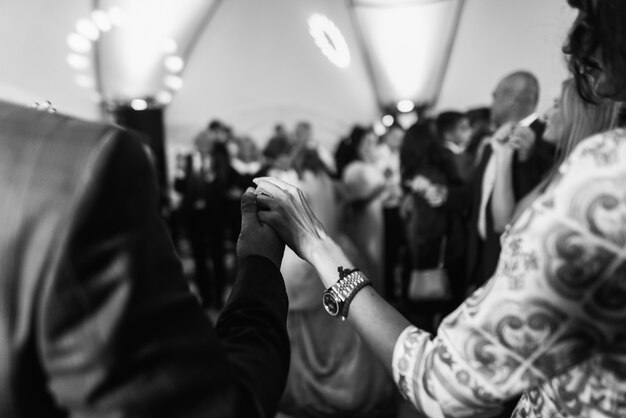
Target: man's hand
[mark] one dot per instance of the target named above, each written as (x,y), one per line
(257,238)
(419,184)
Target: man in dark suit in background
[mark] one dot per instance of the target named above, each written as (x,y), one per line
(455,131)
(96,319)
(499,183)
(202,181)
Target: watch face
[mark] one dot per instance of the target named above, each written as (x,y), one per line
(331,305)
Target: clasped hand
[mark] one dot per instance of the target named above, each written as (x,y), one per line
(285,208)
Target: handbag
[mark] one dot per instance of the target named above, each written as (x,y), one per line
(431,284)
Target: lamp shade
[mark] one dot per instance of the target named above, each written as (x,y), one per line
(408,44)
(143,45)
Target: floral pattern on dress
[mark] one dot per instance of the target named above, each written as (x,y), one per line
(551,323)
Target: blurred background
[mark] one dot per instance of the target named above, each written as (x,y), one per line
(321,93)
(255,63)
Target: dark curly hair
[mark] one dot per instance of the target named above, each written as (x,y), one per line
(348,149)
(422,151)
(600,24)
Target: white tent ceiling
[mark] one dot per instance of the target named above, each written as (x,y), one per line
(255,63)
(407,44)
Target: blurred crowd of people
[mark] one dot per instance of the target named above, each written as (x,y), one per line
(435,196)
(402,197)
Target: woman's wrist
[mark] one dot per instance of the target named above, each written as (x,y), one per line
(326,256)
(505,156)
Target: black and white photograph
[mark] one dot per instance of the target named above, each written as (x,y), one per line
(313,209)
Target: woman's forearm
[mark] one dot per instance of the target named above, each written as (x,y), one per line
(377,322)
(503,199)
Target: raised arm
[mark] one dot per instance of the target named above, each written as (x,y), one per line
(120,334)
(551,303)
(508,143)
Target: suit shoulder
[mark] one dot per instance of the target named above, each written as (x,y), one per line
(29,131)
(47,157)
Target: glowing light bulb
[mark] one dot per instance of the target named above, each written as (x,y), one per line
(88,29)
(173,82)
(405,106)
(407,119)
(164,97)
(379,128)
(139,104)
(78,43)
(101,20)
(329,40)
(78,62)
(174,63)
(388,120)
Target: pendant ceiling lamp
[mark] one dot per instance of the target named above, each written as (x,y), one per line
(134,51)
(407,44)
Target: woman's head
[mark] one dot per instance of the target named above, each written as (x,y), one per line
(597,48)
(420,150)
(571,119)
(248,150)
(363,141)
(367,146)
(307,158)
(356,147)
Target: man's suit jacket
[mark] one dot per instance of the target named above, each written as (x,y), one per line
(483,255)
(96,319)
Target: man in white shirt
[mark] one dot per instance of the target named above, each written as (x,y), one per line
(511,166)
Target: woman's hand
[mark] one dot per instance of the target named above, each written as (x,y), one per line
(500,141)
(511,137)
(419,184)
(436,196)
(523,140)
(285,208)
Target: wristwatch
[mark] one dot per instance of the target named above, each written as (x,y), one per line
(337,298)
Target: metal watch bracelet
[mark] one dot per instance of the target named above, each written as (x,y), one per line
(347,287)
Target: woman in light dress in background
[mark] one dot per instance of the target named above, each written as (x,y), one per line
(366,188)
(332,373)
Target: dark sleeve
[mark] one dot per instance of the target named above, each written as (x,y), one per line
(180,183)
(119,332)
(255,317)
(459,197)
(242,181)
(459,192)
(528,174)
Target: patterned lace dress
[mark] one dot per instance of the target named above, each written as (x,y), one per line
(551,323)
